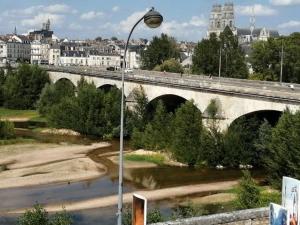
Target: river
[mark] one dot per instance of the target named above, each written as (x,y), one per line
(147,178)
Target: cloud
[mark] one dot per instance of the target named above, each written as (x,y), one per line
(259,10)
(115,8)
(187,29)
(127,24)
(91,15)
(57,8)
(41,17)
(285,2)
(290,24)
(75,26)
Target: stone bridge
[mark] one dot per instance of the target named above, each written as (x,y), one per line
(235,97)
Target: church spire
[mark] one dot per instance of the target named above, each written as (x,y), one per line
(15,31)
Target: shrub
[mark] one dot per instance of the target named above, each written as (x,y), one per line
(7,130)
(248,192)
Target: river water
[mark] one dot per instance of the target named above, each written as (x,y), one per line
(147,178)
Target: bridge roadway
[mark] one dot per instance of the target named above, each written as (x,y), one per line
(273,91)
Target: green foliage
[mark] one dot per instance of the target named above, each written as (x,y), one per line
(266,58)
(170,65)
(36,216)
(7,130)
(61,218)
(158,132)
(207,53)
(248,192)
(239,143)
(157,159)
(23,87)
(39,216)
(91,112)
(154,216)
(139,117)
(206,56)
(212,109)
(187,144)
(282,158)
(127,216)
(160,49)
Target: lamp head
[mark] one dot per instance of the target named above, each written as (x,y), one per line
(153,19)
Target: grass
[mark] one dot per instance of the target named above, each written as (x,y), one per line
(12,113)
(157,158)
(16,141)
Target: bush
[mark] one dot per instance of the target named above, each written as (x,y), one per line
(248,192)
(154,216)
(7,130)
(36,216)
(39,216)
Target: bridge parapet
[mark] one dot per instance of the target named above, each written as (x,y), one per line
(227,86)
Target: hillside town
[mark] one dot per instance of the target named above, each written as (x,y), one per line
(41,46)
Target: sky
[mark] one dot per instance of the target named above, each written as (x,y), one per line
(186,20)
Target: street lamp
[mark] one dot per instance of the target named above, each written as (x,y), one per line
(152,19)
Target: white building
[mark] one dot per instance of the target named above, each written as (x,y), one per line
(18,48)
(101,59)
(40,52)
(54,55)
(73,58)
(3,50)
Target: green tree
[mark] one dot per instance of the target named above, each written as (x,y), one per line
(2,81)
(139,116)
(283,154)
(22,88)
(206,56)
(248,192)
(187,144)
(52,94)
(170,65)
(239,143)
(233,58)
(158,132)
(207,53)
(160,49)
(266,58)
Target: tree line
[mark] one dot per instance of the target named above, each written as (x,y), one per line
(91,111)
(163,54)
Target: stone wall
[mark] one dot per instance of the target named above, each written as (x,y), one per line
(245,217)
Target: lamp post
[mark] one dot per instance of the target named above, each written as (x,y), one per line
(152,19)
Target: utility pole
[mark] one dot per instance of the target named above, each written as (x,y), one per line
(281,63)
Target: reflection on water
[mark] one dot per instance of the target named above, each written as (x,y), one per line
(150,178)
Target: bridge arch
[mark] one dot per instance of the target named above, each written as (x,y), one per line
(171,102)
(106,87)
(65,80)
(272,116)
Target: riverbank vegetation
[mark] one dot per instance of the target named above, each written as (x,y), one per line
(39,216)
(184,132)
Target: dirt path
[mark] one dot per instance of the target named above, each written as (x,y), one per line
(150,195)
